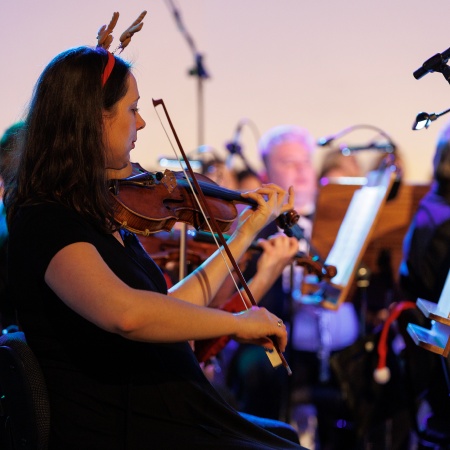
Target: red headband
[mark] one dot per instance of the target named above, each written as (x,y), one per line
(108,68)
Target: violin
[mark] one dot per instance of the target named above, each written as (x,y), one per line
(146,202)
(164,249)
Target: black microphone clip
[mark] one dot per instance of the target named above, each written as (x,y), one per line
(437,63)
(234,148)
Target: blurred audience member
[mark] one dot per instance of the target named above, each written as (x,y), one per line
(8,163)
(335,164)
(8,155)
(218,172)
(248,180)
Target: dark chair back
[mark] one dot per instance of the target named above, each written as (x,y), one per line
(24,406)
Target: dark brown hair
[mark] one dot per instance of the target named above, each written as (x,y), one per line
(62,156)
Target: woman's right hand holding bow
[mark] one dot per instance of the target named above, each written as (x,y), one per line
(256,324)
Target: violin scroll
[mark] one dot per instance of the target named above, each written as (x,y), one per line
(324,272)
(287,220)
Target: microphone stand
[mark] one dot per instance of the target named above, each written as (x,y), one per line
(389,147)
(235,148)
(198,70)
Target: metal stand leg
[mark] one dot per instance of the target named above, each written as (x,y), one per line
(363,281)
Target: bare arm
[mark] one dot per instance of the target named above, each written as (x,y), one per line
(80,277)
(207,279)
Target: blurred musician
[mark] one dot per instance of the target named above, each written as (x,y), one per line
(287,155)
(423,272)
(426,250)
(335,164)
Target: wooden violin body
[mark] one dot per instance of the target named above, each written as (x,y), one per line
(146,202)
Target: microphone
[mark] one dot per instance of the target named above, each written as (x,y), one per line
(233,146)
(436,63)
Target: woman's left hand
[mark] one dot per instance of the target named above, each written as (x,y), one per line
(271,203)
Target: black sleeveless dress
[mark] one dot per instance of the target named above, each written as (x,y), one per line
(107,392)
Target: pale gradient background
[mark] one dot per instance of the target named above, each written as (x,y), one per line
(324,65)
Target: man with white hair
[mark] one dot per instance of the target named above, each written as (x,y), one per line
(287,153)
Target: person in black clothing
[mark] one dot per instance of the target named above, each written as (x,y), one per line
(112,341)
(423,271)
(426,249)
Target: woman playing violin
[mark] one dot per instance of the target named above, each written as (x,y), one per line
(111,340)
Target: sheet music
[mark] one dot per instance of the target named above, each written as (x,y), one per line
(354,230)
(443,305)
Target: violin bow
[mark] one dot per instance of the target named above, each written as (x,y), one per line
(203,205)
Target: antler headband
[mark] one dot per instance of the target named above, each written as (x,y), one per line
(105,38)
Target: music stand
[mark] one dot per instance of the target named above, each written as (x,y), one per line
(353,238)
(436,339)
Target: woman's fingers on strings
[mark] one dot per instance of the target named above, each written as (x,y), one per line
(264,197)
(268,193)
(271,200)
(291,200)
(285,199)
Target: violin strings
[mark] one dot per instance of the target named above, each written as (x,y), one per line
(205,216)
